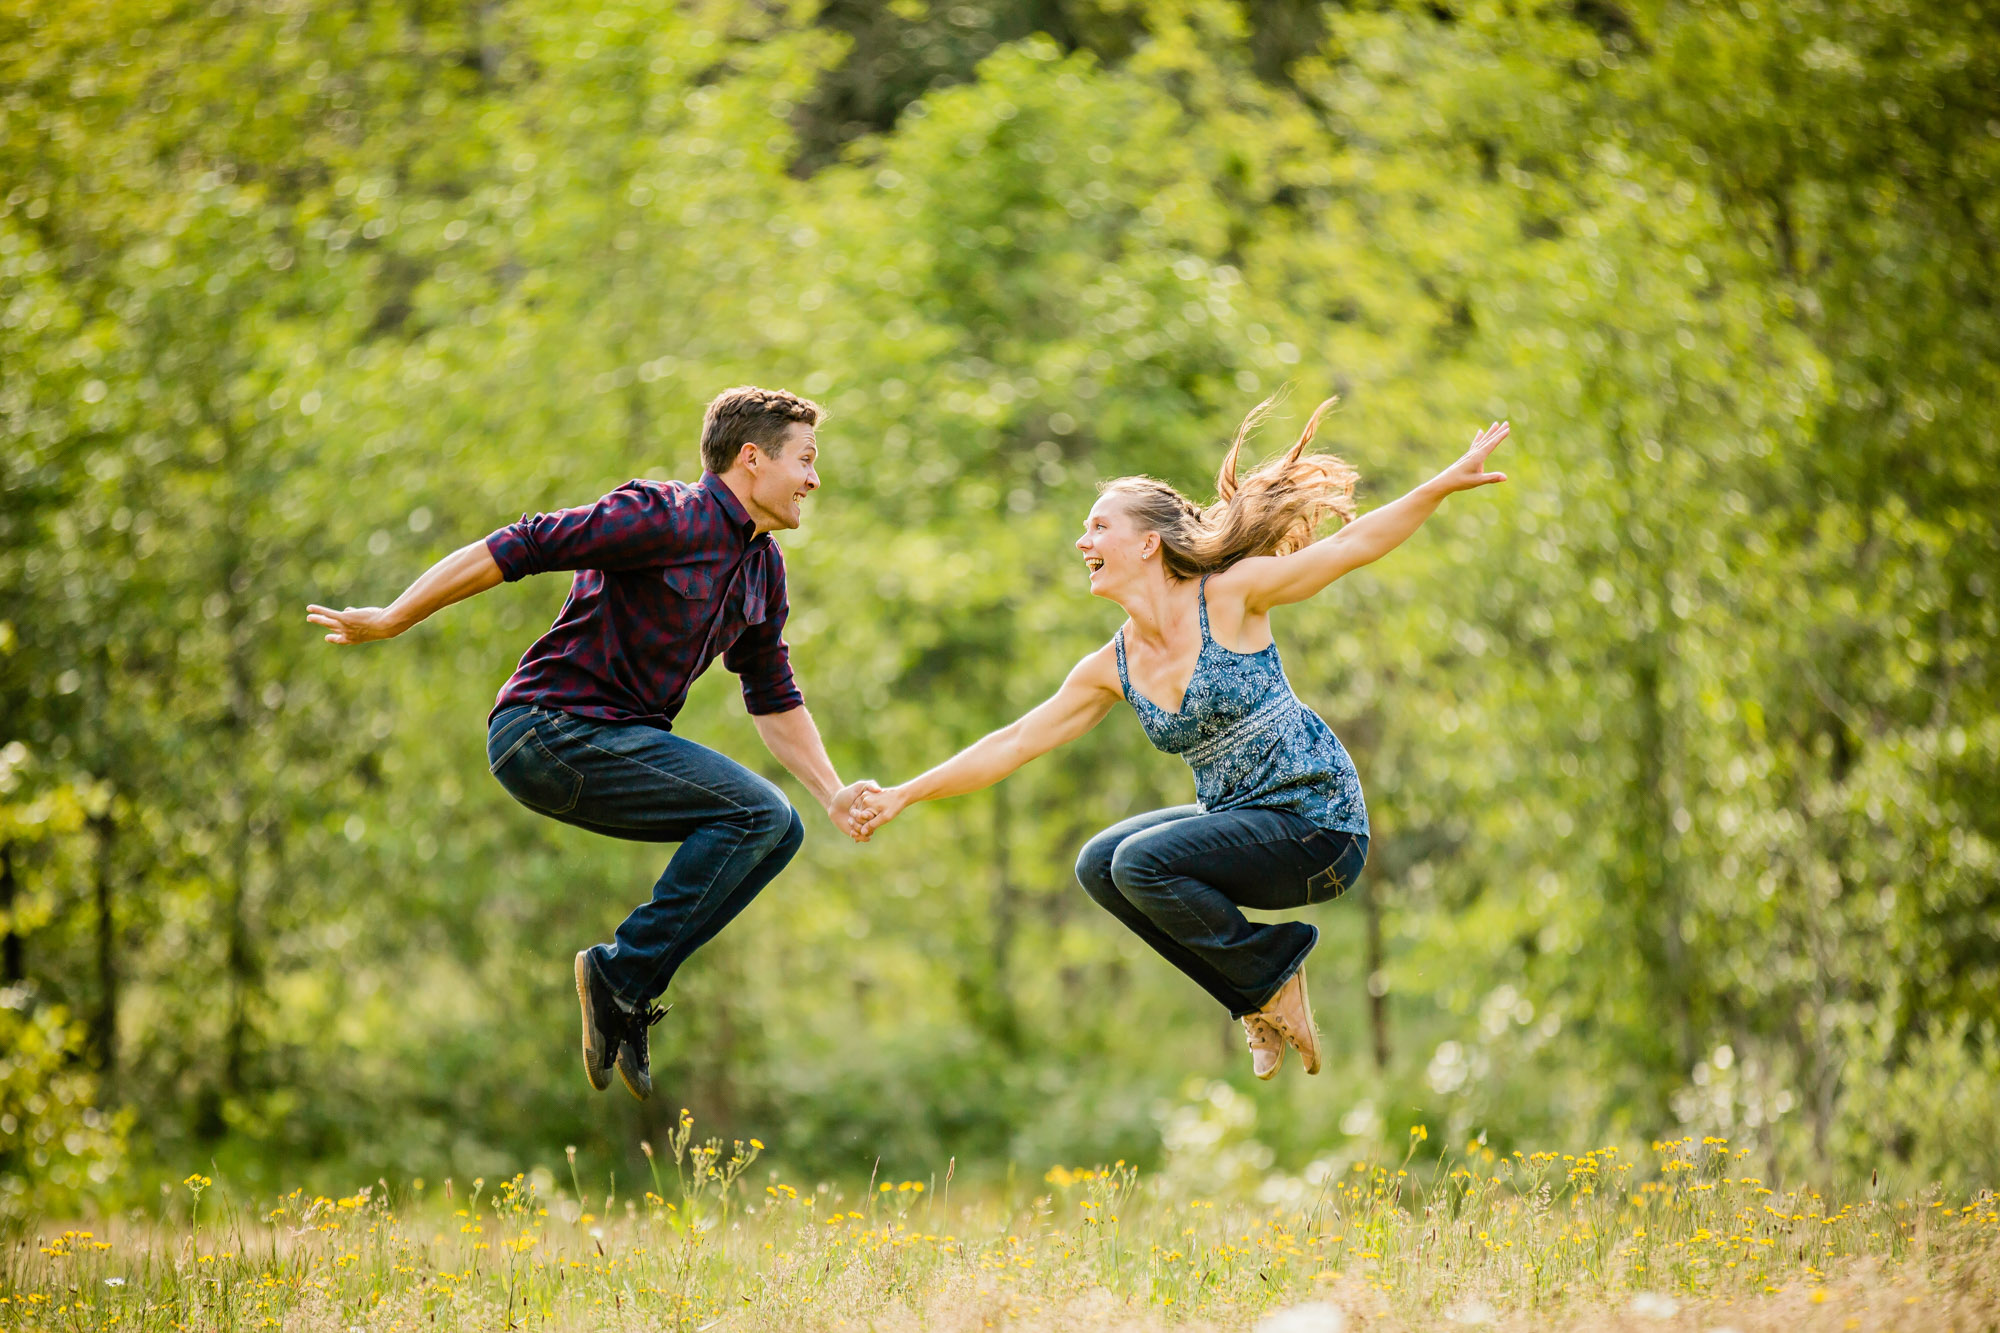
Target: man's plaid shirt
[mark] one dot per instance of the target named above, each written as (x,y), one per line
(668,578)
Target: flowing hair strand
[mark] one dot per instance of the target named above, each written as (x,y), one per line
(1275,510)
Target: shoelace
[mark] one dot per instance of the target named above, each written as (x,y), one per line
(1280,1028)
(1261,1033)
(638,1020)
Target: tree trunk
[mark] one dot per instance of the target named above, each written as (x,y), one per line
(13,967)
(239,958)
(1649,886)
(1004,1019)
(241,975)
(1378,981)
(104,1021)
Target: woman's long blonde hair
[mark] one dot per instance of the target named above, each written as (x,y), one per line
(1273,511)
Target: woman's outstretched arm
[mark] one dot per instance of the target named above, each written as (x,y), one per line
(1085,697)
(1267,581)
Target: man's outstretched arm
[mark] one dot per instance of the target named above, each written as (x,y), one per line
(794,739)
(463,573)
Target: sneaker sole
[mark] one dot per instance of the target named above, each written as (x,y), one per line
(593,1059)
(625,1077)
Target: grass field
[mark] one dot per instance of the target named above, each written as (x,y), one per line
(1583,1240)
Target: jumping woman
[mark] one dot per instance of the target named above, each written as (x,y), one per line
(1279,820)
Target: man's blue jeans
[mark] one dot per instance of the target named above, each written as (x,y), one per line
(736,830)
(1179,878)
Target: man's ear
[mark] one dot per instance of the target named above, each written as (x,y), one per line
(749,456)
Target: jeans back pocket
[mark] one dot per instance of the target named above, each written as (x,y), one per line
(1345,854)
(536,778)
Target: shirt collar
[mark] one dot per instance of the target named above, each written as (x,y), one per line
(739,517)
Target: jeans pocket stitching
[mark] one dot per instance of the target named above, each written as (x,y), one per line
(520,740)
(1327,843)
(576,778)
(1320,881)
(1321,842)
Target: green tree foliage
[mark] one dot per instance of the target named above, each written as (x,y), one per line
(57,1148)
(1681,749)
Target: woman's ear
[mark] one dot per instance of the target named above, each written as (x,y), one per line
(1149,546)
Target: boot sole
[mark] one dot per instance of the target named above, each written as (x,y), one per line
(1276,1064)
(1309,1048)
(593,1059)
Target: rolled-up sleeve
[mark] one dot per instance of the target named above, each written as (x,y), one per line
(633,527)
(762,658)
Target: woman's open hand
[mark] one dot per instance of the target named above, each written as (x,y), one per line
(1470,471)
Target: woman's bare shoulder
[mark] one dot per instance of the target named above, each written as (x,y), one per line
(1099,668)
(1239,579)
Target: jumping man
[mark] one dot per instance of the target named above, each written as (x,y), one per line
(668,577)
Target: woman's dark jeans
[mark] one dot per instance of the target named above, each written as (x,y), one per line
(736,831)
(1179,878)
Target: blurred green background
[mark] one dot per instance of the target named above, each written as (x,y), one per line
(1681,749)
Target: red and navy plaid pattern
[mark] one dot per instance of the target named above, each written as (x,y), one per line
(668,578)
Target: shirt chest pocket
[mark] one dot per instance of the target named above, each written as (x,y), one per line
(696,586)
(690,585)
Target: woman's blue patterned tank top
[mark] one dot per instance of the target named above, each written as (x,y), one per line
(1249,740)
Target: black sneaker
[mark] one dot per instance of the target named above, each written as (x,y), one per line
(603,1021)
(633,1059)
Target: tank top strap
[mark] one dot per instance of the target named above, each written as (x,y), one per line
(1124,680)
(1202,598)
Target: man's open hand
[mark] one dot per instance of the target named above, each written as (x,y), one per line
(843,811)
(357,624)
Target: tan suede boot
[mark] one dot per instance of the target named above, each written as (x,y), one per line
(1290,1012)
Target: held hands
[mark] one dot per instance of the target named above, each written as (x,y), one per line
(357,624)
(860,808)
(849,812)
(1470,471)
(878,807)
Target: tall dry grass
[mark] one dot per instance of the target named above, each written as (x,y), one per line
(1584,1240)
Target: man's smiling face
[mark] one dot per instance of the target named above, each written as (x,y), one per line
(781,479)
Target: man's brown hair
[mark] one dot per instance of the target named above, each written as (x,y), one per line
(749,415)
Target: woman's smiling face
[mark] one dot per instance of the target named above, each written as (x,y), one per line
(1115,549)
